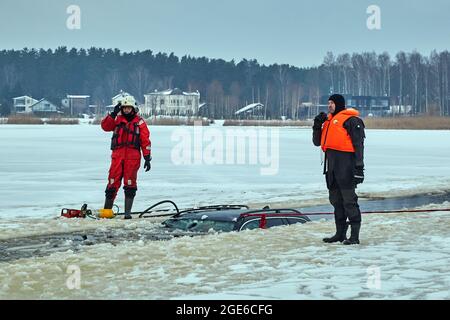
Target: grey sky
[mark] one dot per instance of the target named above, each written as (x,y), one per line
(284,31)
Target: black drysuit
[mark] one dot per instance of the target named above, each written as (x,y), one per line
(339,170)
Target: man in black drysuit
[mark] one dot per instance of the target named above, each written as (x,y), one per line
(343,170)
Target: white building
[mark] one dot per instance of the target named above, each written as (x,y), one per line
(251,111)
(400,109)
(23,104)
(118,98)
(44,105)
(172,102)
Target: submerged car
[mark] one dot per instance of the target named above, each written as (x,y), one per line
(188,222)
(233,218)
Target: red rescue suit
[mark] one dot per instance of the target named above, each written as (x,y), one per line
(128,139)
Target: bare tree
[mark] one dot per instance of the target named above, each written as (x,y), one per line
(370,72)
(357,63)
(344,63)
(112,82)
(329,63)
(215,97)
(426,78)
(444,58)
(401,61)
(282,79)
(11,75)
(415,61)
(436,79)
(167,82)
(384,60)
(234,102)
(140,80)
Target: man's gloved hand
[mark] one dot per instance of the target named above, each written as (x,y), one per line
(147,165)
(358,175)
(116,110)
(320,119)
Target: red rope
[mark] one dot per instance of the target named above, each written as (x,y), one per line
(370,212)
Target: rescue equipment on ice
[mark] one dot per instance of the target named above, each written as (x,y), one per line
(84,212)
(74,213)
(105,213)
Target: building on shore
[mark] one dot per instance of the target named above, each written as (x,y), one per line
(29,105)
(370,105)
(44,107)
(76,104)
(119,97)
(115,100)
(254,111)
(366,105)
(23,104)
(172,102)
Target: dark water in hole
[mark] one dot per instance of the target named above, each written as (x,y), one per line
(400,203)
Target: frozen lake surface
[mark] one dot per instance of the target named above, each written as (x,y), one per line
(45,168)
(400,257)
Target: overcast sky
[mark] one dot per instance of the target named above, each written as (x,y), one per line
(272,31)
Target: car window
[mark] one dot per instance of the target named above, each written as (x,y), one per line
(274,222)
(250,225)
(270,222)
(198,225)
(292,220)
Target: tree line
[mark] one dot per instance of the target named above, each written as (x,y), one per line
(225,86)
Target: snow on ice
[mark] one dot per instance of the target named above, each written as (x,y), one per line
(410,252)
(50,167)
(402,256)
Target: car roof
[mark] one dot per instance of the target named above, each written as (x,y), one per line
(233,214)
(216,215)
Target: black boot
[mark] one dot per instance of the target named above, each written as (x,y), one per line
(354,235)
(108,203)
(128,206)
(341,234)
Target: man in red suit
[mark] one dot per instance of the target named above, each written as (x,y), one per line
(130,137)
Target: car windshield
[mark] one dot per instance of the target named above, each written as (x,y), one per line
(198,225)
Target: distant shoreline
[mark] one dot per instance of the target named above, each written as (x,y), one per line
(409,123)
(396,123)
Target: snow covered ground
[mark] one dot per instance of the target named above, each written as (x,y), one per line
(402,256)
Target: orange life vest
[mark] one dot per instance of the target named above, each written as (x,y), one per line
(334,135)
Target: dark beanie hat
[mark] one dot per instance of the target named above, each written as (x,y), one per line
(339,101)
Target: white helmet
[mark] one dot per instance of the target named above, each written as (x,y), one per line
(128,101)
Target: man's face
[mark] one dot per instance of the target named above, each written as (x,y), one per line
(127,109)
(331,106)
